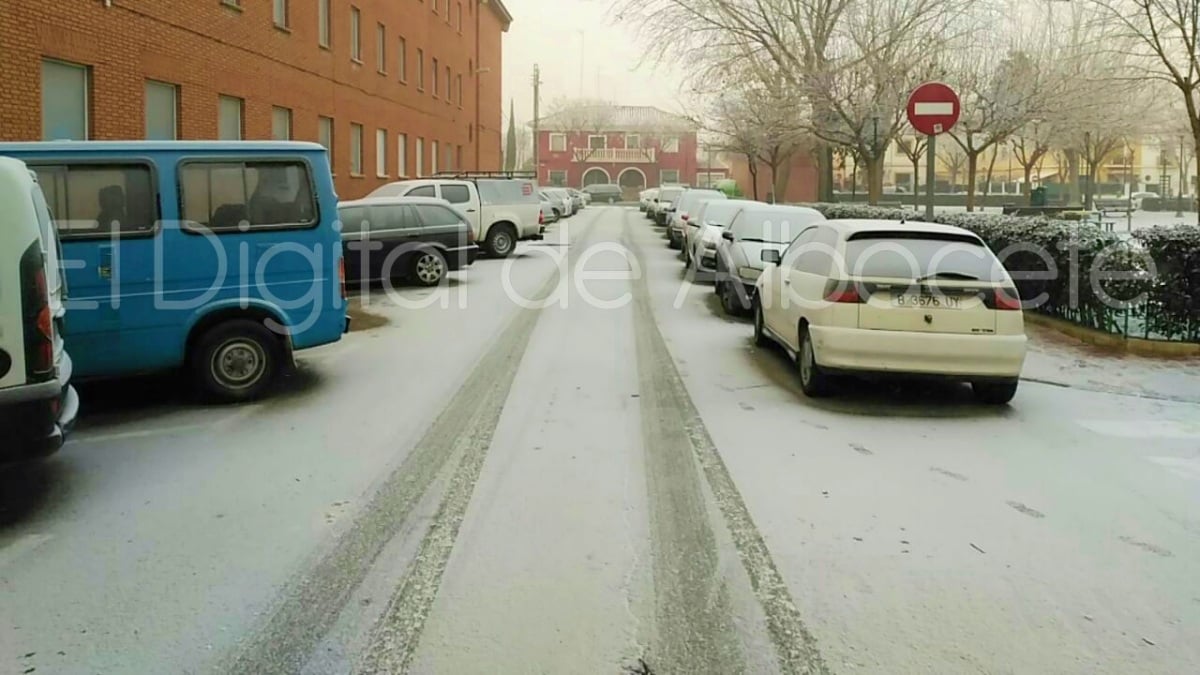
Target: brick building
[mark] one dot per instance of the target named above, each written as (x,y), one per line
(394,88)
(633,146)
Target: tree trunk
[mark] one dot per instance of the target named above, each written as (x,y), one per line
(1072,177)
(825,173)
(1093,168)
(972,167)
(987,184)
(874,180)
(783,174)
(1027,187)
(854,182)
(752,165)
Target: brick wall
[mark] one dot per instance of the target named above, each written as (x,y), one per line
(208,48)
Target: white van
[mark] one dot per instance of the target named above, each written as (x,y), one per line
(501,211)
(37,403)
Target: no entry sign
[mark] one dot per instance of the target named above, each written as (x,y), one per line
(933,108)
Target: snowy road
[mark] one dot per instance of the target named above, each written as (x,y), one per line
(482,487)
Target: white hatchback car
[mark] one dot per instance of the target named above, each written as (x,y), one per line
(888,297)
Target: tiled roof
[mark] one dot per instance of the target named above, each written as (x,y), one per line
(618,118)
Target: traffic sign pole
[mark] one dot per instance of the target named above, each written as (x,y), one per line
(933,108)
(930,176)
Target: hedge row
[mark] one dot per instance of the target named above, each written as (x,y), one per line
(1147,285)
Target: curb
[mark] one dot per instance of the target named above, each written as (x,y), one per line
(1136,346)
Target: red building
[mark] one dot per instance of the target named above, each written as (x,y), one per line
(392,89)
(633,146)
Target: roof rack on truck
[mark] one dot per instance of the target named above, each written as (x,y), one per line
(468,175)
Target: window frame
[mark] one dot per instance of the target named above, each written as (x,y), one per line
(638,146)
(401,155)
(332,137)
(662,176)
(550,177)
(359,173)
(66,235)
(420,69)
(670,140)
(147,83)
(602,137)
(284,23)
(434,70)
(290,118)
(381,145)
(241,116)
(553,135)
(87,94)
(325,24)
(355,34)
(381,48)
(264,159)
(402,62)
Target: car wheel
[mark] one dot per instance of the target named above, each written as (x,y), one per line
(500,241)
(429,268)
(995,393)
(813,380)
(236,361)
(673,240)
(760,334)
(731,300)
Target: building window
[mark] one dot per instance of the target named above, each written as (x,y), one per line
(458,17)
(668,176)
(558,142)
(420,69)
(355,34)
(458,86)
(229,118)
(381,48)
(162,106)
(435,78)
(449,83)
(402,62)
(597,142)
(325,135)
(381,153)
(433,157)
(281,124)
(435,4)
(420,157)
(558,178)
(356,149)
(64,101)
(281,13)
(401,155)
(670,144)
(323,30)
(633,142)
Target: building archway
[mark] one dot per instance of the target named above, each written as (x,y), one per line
(632,181)
(595,176)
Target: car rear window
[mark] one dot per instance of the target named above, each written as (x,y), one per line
(776,226)
(913,255)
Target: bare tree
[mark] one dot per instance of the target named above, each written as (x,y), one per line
(591,116)
(954,158)
(913,147)
(1030,144)
(1163,39)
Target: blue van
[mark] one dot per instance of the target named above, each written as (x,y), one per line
(219,258)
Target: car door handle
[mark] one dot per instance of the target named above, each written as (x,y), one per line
(470,210)
(787,282)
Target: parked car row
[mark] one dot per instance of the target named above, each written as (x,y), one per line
(869,298)
(218,260)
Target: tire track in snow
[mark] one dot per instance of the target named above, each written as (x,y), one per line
(693,621)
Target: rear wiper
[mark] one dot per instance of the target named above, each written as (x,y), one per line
(764,241)
(961,276)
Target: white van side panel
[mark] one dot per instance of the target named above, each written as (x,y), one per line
(18,231)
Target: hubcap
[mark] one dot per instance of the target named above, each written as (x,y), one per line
(239,363)
(430,268)
(503,243)
(806,360)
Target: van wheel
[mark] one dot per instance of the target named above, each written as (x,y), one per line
(760,335)
(236,361)
(501,241)
(813,380)
(429,268)
(995,393)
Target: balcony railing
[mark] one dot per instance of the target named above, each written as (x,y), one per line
(615,155)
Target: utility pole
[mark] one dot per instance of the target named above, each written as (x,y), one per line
(582,60)
(537,140)
(1179,196)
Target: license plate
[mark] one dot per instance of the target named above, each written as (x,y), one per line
(925,301)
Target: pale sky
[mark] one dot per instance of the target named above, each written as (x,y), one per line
(547,32)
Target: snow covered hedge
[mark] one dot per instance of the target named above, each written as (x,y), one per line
(1147,285)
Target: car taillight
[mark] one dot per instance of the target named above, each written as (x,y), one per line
(1007,299)
(39,324)
(471,233)
(342,276)
(683,217)
(842,292)
(541,217)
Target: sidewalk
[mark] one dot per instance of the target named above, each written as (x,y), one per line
(1058,359)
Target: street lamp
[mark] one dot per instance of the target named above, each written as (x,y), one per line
(1179,196)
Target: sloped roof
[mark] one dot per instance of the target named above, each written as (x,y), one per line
(617,118)
(500,10)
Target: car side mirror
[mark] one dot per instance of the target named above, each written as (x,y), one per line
(728,236)
(771,256)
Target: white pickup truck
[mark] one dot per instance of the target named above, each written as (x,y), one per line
(501,211)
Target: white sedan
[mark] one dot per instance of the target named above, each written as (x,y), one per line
(888,297)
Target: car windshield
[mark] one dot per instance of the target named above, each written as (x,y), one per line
(720,213)
(776,226)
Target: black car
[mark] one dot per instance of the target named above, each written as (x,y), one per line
(415,238)
(604,192)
